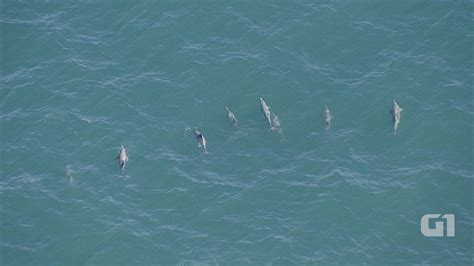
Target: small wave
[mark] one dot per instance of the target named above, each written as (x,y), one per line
(211,178)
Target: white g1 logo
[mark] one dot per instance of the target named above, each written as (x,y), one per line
(438,230)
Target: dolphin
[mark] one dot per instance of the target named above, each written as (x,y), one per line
(327,117)
(396,114)
(266,111)
(231,116)
(122,157)
(201,139)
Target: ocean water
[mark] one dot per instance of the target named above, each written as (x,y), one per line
(80,78)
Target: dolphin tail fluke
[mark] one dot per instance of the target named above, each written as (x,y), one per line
(122,166)
(275,129)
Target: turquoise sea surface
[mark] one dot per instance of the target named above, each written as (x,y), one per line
(80,78)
